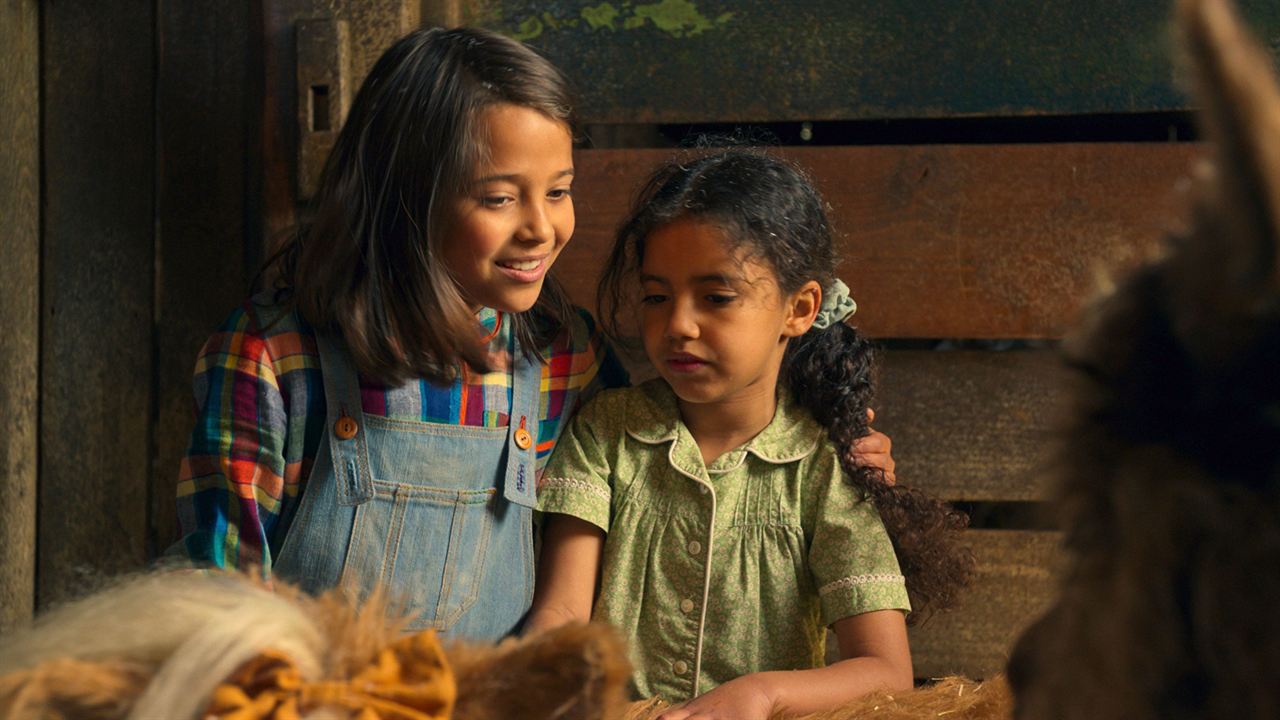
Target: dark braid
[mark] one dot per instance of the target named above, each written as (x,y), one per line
(770,211)
(830,373)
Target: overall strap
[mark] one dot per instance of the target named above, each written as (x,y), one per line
(344,423)
(522,437)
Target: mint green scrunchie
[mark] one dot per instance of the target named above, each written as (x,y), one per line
(836,306)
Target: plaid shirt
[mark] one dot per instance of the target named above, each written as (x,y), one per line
(260,416)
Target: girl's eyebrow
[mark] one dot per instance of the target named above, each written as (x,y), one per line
(512,177)
(708,278)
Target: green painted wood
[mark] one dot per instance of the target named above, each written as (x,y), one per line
(19,305)
(676,61)
(98,255)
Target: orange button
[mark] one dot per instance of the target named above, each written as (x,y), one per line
(346,427)
(523,439)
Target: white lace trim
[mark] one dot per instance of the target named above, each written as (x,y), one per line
(856,580)
(564,483)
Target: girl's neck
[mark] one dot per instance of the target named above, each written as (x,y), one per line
(722,426)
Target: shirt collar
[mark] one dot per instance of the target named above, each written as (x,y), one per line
(654,417)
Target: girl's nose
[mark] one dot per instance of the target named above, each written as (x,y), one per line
(681,323)
(537,224)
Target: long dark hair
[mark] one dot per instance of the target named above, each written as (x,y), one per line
(770,211)
(368,262)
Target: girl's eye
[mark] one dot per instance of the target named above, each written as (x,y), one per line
(652,299)
(496,201)
(717,299)
(560,193)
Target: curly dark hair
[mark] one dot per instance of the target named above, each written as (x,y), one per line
(771,212)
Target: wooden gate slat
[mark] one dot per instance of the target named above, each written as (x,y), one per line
(1014,583)
(945,241)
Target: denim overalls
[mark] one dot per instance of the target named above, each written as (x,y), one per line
(439,515)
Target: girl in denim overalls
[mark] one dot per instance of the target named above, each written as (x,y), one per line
(377,417)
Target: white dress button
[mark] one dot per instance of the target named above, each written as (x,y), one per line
(681,667)
(686,605)
(695,547)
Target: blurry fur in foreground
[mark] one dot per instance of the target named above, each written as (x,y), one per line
(1171,461)
(159,645)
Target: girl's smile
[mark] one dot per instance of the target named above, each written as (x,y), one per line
(514,218)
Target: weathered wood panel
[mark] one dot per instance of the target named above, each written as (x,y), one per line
(678,61)
(1014,583)
(941,241)
(372,26)
(972,425)
(205,214)
(96,309)
(19,305)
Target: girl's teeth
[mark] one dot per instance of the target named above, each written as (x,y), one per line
(527,265)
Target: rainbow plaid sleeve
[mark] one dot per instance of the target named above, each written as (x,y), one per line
(580,362)
(259,416)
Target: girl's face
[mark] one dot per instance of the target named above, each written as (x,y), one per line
(516,214)
(715,326)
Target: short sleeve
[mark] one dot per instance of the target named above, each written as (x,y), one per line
(851,557)
(576,479)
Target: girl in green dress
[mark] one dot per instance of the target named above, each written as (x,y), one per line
(708,513)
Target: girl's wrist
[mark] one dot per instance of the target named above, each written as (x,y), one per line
(772,684)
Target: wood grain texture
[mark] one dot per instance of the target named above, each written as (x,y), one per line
(945,241)
(760,61)
(206,229)
(96,309)
(1014,583)
(19,306)
(972,425)
(373,25)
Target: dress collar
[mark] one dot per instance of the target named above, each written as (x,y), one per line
(654,417)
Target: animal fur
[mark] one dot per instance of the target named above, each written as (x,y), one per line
(157,646)
(1171,462)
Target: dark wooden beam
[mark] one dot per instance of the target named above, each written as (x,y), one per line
(98,284)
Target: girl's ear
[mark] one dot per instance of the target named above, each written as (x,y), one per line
(802,308)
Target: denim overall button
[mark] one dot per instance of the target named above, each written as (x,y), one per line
(345,427)
(523,439)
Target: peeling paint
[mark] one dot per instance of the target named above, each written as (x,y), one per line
(678,18)
(601,16)
(528,30)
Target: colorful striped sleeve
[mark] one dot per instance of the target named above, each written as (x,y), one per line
(231,489)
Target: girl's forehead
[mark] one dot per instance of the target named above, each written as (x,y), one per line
(695,248)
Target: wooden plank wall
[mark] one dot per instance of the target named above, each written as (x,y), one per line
(97,275)
(138,142)
(19,305)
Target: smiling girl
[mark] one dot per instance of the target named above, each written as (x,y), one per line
(377,419)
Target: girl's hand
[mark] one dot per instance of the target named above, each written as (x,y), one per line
(872,450)
(746,698)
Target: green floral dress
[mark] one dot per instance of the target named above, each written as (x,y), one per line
(714,572)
